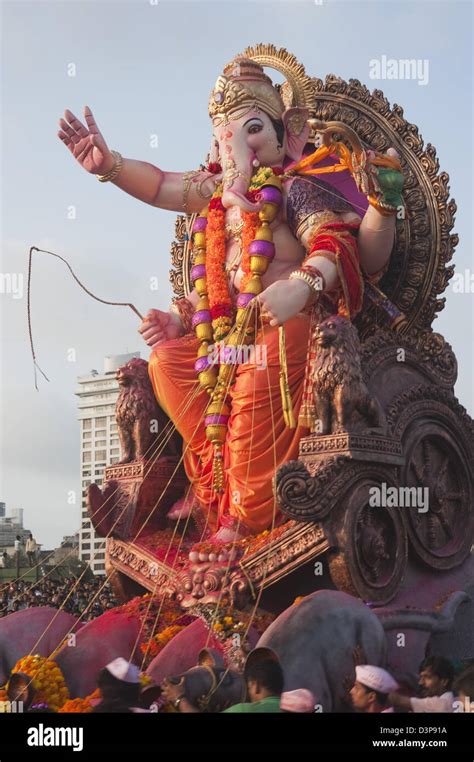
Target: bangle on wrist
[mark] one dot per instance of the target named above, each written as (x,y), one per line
(387,210)
(185,311)
(313,278)
(112,173)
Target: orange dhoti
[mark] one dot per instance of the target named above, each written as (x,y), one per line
(258,440)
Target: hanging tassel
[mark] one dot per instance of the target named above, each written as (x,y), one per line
(307,416)
(218,469)
(287,404)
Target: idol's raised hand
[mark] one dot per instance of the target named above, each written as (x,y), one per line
(86,144)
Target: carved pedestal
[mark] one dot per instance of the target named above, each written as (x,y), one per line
(331,484)
(368,447)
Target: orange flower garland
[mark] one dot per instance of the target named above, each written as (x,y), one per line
(158,642)
(47,679)
(218,289)
(80,705)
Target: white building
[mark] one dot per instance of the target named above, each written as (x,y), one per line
(10,527)
(99,446)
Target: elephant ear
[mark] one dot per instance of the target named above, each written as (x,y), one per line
(210,657)
(295,121)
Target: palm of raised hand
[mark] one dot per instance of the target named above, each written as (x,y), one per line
(86,144)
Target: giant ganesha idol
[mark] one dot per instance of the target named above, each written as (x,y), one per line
(290,218)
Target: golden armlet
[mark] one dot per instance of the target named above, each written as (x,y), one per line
(187,179)
(112,173)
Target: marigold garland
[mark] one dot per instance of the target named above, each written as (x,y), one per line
(159,641)
(47,679)
(81,705)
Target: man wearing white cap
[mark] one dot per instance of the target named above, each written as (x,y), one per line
(299,700)
(119,684)
(371,688)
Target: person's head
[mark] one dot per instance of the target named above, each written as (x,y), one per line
(464,689)
(371,688)
(436,676)
(119,682)
(18,537)
(300,700)
(30,536)
(264,678)
(20,688)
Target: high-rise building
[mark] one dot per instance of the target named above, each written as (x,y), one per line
(99,446)
(10,527)
(17,515)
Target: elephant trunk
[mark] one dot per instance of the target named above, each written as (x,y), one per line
(236,182)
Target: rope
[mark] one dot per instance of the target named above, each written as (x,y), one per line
(84,288)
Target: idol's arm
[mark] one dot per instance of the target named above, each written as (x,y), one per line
(174,191)
(375,240)
(324,260)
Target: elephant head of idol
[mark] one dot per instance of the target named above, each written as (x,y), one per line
(252,128)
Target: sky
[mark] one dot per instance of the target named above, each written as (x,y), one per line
(146,68)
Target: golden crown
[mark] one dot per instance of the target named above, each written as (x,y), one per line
(244,85)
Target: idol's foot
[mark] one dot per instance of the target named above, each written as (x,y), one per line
(183,507)
(218,545)
(225,535)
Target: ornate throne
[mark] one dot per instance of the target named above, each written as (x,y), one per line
(332,537)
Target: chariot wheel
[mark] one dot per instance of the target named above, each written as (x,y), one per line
(441,534)
(372,545)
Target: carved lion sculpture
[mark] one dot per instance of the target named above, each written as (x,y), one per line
(342,400)
(141,422)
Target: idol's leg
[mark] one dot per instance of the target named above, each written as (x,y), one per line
(177,389)
(258,440)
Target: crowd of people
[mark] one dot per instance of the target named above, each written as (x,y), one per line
(85,599)
(374,690)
